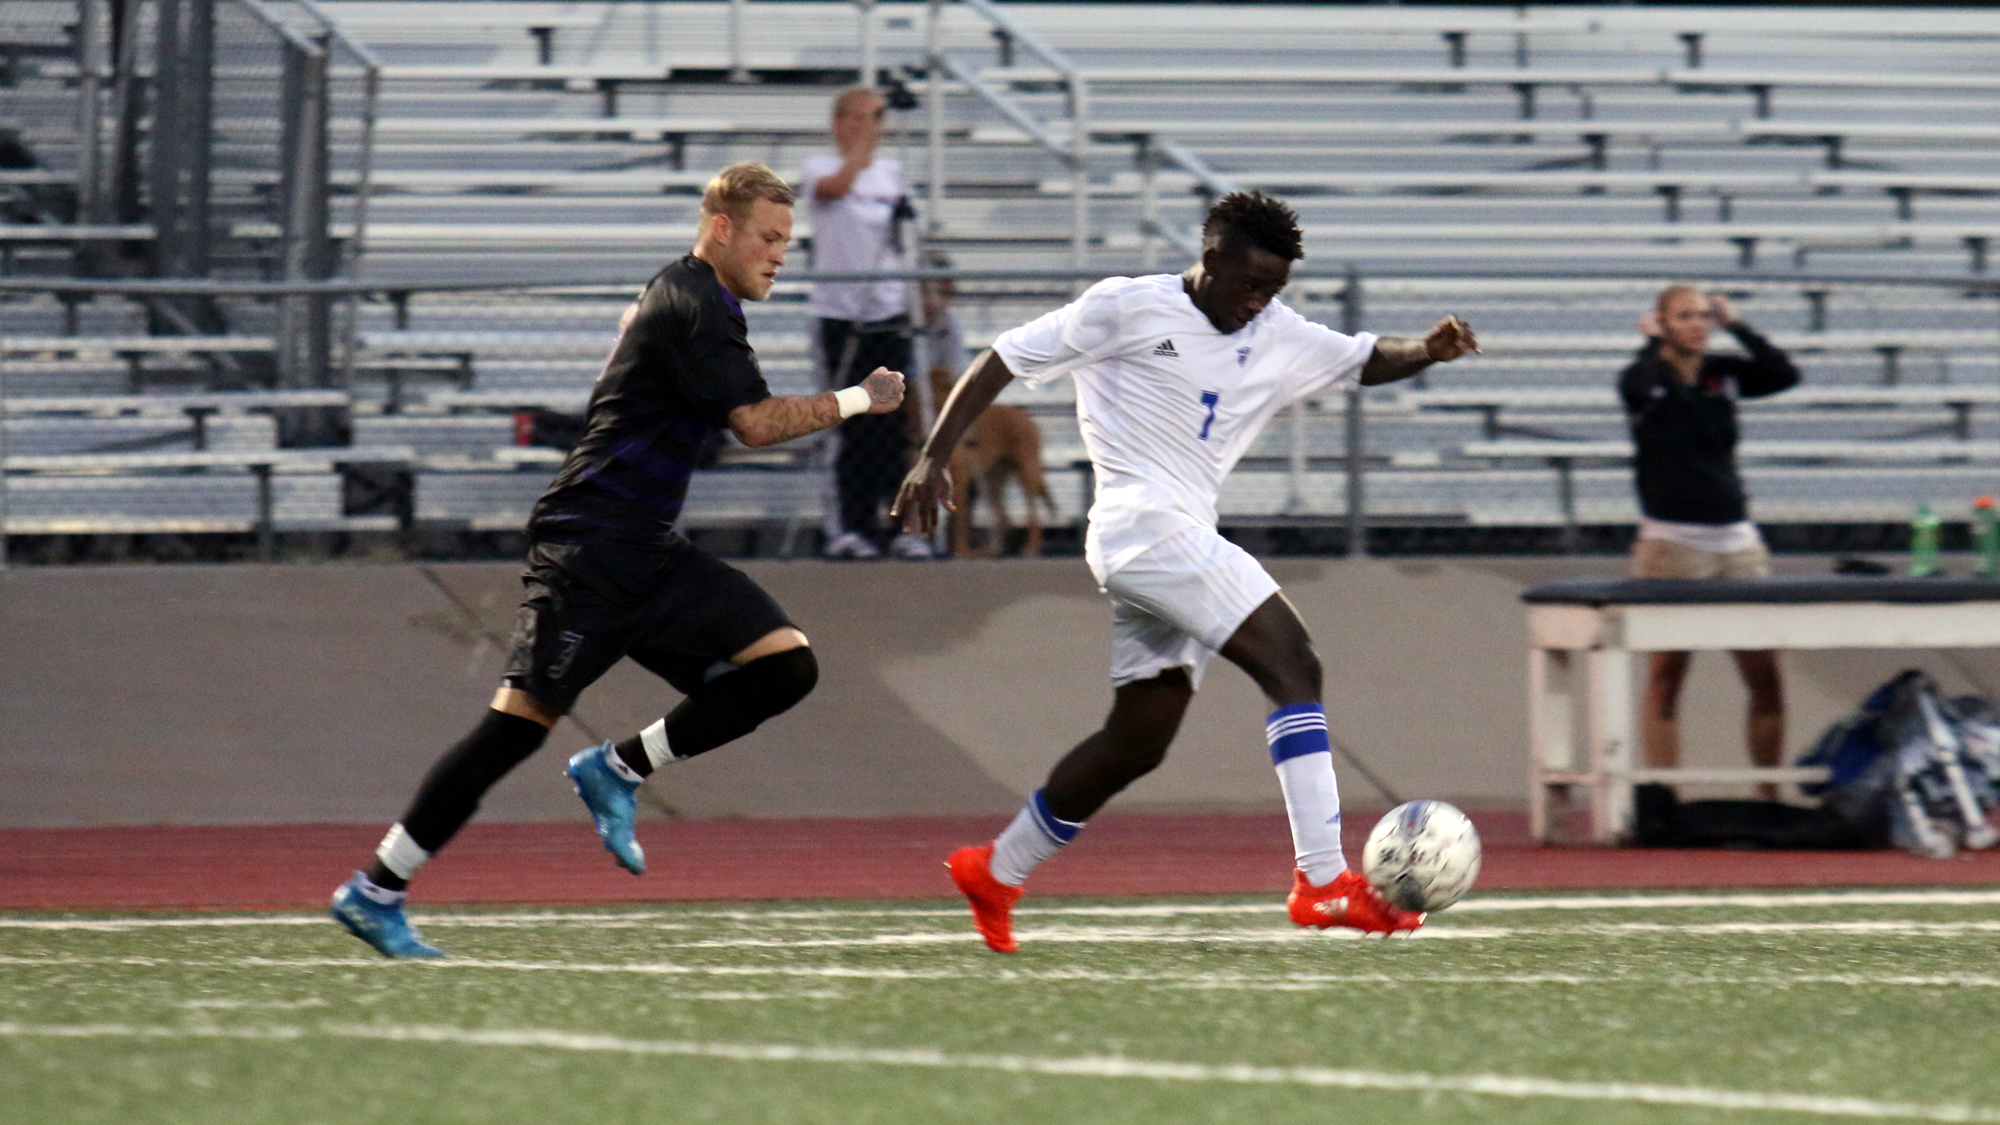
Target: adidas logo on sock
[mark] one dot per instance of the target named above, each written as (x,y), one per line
(1166,348)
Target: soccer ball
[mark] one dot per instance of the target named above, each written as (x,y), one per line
(1423,856)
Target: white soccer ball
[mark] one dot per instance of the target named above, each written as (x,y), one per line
(1423,856)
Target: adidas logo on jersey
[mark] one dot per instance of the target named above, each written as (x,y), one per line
(1166,348)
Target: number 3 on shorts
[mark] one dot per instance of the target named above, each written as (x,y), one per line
(1208,399)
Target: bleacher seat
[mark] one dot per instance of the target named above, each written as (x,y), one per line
(1537,171)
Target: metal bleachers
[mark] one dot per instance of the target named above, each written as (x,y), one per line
(1539,171)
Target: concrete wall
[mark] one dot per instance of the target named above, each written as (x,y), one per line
(247,694)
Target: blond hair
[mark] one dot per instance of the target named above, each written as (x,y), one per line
(1675,290)
(736,188)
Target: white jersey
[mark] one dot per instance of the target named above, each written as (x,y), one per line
(856,232)
(1167,403)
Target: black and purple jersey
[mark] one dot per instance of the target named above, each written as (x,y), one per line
(681,366)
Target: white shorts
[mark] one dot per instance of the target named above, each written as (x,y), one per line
(1179,601)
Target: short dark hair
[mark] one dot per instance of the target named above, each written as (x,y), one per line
(1258,219)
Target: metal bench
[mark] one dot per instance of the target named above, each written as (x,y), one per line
(1503,343)
(1960,400)
(471,435)
(649,181)
(1744,237)
(131,433)
(1672,187)
(480,498)
(134,349)
(114,473)
(1565,458)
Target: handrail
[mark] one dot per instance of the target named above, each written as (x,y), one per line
(371,92)
(1195,166)
(181,287)
(320,45)
(1214,182)
(332,27)
(1011,110)
(1023,36)
(1321,278)
(1079,112)
(276,24)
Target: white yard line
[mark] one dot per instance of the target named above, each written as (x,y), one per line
(1486,904)
(653,920)
(677,919)
(999,973)
(1276,935)
(1086,1066)
(448,964)
(1757,901)
(1106,935)
(1132,935)
(1886,926)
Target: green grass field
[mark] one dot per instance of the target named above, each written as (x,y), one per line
(1548,1009)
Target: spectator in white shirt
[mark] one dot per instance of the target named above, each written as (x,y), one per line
(859,205)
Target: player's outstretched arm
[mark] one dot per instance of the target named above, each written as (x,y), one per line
(784,417)
(928,483)
(1399,358)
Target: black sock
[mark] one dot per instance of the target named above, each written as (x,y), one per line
(730,706)
(452,790)
(632,751)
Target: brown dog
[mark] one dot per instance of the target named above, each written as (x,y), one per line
(1002,442)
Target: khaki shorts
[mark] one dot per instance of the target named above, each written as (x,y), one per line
(1664,558)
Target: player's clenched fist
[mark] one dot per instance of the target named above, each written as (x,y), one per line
(885,390)
(1450,339)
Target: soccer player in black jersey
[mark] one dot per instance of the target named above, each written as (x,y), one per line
(609,576)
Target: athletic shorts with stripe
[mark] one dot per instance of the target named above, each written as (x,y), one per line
(1179,601)
(676,610)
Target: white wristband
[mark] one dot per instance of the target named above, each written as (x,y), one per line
(853,400)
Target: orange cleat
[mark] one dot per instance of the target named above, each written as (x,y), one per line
(992,900)
(1347,900)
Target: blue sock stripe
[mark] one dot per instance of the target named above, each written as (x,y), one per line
(1054,827)
(1296,731)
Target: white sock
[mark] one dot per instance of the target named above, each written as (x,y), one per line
(1035,835)
(654,739)
(1304,759)
(400,854)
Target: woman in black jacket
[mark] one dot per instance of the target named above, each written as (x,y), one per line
(1694,519)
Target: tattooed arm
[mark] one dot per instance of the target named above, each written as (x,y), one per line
(784,417)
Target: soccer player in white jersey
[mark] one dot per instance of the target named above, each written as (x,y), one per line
(1175,376)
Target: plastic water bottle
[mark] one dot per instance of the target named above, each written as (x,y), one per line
(1986,537)
(1924,543)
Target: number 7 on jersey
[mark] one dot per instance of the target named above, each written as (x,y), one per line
(1209,399)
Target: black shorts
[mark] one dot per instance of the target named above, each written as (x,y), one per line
(678,611)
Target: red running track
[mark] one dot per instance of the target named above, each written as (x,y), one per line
(297,866)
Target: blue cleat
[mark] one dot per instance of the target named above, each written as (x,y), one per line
(382,926)
(609,799)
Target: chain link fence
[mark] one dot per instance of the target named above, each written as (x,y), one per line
(463,399)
